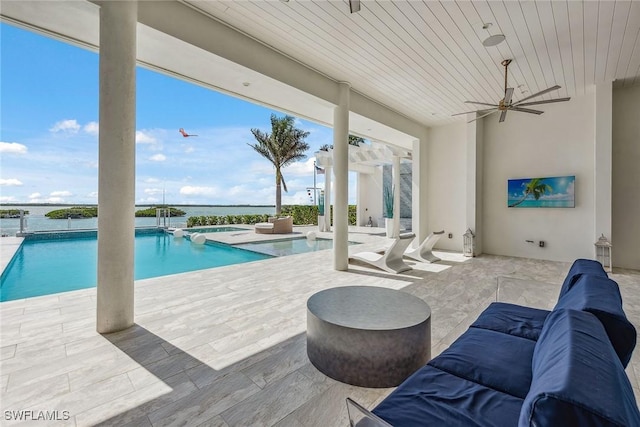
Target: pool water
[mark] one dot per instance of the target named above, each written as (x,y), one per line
(42,267)
(290,246)
(213,229)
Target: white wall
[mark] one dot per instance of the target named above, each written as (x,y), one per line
(447,184)
(370,197)
(626,178)
(559,142)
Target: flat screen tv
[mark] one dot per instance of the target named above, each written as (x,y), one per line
(547,192)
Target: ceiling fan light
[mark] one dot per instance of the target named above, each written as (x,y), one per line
(493,40)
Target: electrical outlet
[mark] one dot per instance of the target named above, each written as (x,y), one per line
(541,244)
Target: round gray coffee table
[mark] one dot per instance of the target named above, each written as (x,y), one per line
(368,336)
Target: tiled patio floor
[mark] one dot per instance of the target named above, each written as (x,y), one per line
(226,346)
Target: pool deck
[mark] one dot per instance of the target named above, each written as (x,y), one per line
(227,346)
(8,248)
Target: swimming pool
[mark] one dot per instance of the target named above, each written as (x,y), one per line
(213,229)
(57,262)
(289,246)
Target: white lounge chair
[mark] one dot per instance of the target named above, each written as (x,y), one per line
(423,252)
(391,259)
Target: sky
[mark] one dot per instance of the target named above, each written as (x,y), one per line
(49,134)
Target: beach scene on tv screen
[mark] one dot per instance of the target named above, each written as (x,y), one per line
(547,192)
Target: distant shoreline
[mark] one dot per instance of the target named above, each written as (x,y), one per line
(145,204)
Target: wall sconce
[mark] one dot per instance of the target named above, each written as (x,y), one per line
(469,244)
(603,253)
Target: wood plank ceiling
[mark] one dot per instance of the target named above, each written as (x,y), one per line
(425,58)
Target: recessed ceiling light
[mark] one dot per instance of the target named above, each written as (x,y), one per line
(245,84)
(493,40)
(486,26)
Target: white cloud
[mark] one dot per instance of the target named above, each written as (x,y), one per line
(7,199)
(152,191)
(35,195)
(55,200)
(189,149)
(63,193)
(148,200)
(91,128)
(67,126)
(10,182)
(144,138)
(93,195)
(158,158)
(151,180)
(12,148)
(189,190)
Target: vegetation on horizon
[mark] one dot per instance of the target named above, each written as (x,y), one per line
(151,212)
(283,146)
(11,213)
(74,212)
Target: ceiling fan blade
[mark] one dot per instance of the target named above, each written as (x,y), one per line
(526,110)
(542,92)
(480,103)
(354,6)
(507,95)
(484,115)
(503,116)
(548,101)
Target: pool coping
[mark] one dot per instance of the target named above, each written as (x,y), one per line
(8,248)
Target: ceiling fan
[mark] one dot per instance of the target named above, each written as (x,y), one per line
(507,104)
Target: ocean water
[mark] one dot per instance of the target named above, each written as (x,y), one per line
(37,221)
(542,203)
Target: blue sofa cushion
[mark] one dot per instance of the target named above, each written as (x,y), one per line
(431,397)
(512,319)
(601,296)
(577,378)
(578,268)
(492,359)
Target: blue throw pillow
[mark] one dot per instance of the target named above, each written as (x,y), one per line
(577,377)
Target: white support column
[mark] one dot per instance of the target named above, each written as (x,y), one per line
(603,161)
(395,179)
(341,170)
(474,181)
(327,198)
(116,165)
(419,185)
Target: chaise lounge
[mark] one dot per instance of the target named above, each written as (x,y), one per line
(520,366)
(423,252)
(275,225)
(391,259)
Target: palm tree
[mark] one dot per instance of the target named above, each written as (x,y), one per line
(353,140)
(536,187)
(282,147)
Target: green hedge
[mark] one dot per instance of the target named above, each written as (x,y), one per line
(302,215)
(151,212)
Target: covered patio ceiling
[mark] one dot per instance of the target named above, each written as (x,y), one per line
(410,63)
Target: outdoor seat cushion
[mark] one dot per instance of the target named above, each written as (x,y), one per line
(578,268)
(601,297)
(577,377)
(493,359)
(512,319)
(432,397)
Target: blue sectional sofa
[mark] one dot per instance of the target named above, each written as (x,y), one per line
(520,366)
